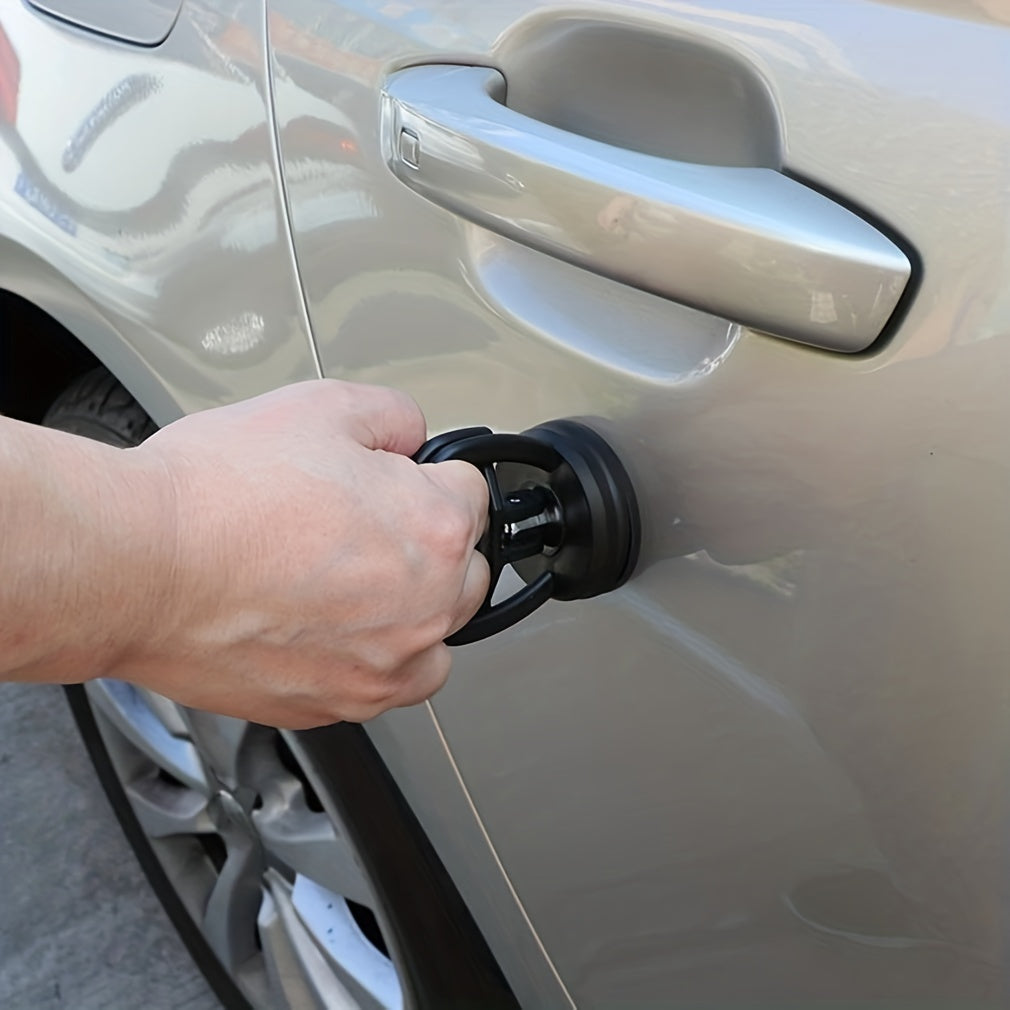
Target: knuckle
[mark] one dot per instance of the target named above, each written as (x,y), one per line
(441,666)
(423,687)
(449,533)
(393,401)
(382,694)
(404,402)
(425,678)
(428,630)
(440,627)
(321,389)
(409,416)
(365,711)
(368,694)
(466,481)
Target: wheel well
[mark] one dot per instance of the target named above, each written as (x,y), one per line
(39,358)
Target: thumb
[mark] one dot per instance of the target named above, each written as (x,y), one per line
(380,418)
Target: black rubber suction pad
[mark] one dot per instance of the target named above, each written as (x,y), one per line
(562,511)
(599,512)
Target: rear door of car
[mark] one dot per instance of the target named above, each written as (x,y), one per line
(770,770)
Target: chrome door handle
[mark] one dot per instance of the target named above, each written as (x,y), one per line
(749,244)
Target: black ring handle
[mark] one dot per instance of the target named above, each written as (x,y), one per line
(482,449)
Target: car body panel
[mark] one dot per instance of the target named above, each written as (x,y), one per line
(141,206)
(772,767)
(413,749)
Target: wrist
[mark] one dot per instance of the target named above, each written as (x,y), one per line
(136,515)
(87,542)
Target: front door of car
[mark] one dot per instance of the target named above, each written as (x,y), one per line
(771,768)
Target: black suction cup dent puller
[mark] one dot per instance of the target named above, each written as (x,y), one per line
(568,522)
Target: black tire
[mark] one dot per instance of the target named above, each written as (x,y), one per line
(97,406)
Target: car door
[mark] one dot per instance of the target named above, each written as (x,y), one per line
(771,769)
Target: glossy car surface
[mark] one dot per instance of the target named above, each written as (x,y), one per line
(771,769)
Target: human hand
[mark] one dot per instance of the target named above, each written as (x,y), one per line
(315,568)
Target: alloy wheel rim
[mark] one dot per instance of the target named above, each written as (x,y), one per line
(268,876)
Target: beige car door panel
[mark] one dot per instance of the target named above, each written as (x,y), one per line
(771,768)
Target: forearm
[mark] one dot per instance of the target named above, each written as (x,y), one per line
(281,560)
(82,557)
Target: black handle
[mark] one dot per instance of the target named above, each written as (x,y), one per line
(482,449)
(569,520)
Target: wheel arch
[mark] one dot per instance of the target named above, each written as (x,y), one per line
(51,332)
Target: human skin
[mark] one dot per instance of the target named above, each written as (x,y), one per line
(281,560)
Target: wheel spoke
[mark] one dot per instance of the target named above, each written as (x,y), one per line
(165,809)
(280,884)
(168,711)
(126,708)
(314,949)
(227,745)
(298,973)
(230,916)
(308,843)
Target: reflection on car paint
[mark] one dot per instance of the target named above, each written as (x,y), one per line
(33,195)
(155,200)
(129,92)
(235,336)
(225,42)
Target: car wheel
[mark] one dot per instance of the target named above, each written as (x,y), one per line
(261,879)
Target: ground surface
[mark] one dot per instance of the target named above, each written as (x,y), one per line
(79,925)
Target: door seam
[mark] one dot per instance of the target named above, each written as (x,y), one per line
(497,859)
(282,190)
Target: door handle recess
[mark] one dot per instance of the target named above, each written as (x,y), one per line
(749,244)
